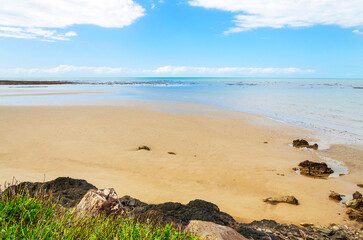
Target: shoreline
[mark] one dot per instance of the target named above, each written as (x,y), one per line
(232,168)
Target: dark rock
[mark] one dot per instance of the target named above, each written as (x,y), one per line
(283,199)
(131,203)
(335,196)
(301,143)
(357,195)
(355,211)
(68,190)
(315,169)
(172,153)
(143,147)
(360,185)
(355,215)
(182,214)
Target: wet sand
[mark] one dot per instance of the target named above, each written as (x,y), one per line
(220,157)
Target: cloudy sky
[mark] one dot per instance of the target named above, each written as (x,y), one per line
(241,38)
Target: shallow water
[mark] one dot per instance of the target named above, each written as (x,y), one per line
(331,106)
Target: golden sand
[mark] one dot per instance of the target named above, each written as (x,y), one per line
(221,158)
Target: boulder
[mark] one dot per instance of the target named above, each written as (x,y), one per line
(143,147)
(212,231)
(102,201)
(283,199)
(335,196)
(302,143)
(315,169)
(181,214)
(67,190)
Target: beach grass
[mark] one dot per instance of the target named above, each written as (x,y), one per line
(39,217)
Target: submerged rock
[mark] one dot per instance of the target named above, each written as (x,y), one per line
(68,190)
(102,201)
(212,231)
(302,143)
(335,196)
(283,199)
(315,169)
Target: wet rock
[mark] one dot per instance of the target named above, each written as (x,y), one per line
(102,201)
(355,211)
(182,214)
(315,169)
(302,143)
(357,195)
(68,190)
(143,147)
(212,231)
(283,199)
(335,196)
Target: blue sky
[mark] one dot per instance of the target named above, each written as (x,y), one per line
(240,38)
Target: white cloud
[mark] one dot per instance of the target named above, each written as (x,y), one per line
(236,70)
(35,18)
(288,13)
(32,33)
(169,70)
(358,32)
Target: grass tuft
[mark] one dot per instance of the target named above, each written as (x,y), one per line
(23,216)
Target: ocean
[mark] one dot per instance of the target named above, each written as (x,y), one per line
(331,106)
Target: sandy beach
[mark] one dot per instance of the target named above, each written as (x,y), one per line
(219,157)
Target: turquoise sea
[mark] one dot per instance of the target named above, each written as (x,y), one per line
(331,106)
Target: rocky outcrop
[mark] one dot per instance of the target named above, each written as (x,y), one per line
(302,143)
(105,201)
(182,214)
(355,211)
(67,190)
(335,196)
(212,231)
(283,199)
(102,201)
(314,169)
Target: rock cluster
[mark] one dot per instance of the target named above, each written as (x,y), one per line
(355,211)
(301,143)
(283,199)
(314,169)
(211,222)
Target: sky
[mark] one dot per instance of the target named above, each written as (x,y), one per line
(181,38)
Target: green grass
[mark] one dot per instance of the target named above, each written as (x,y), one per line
(26,217)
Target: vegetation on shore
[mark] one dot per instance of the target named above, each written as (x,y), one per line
(38,217)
